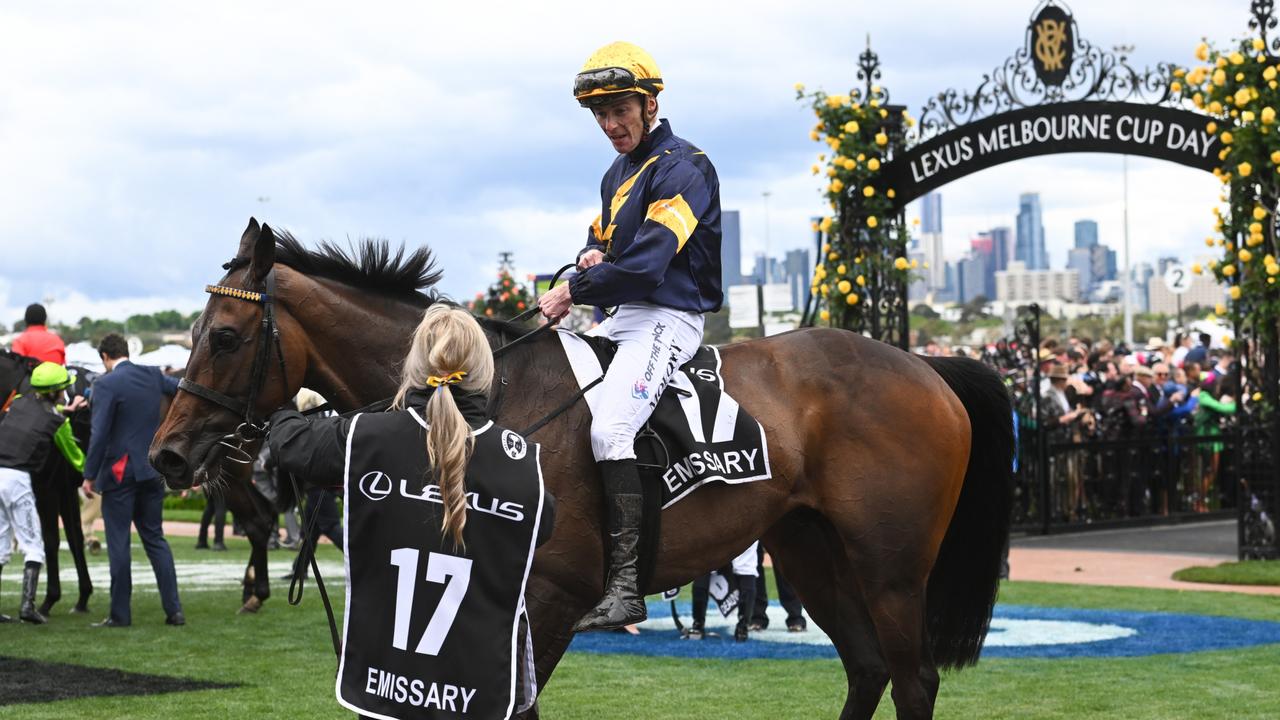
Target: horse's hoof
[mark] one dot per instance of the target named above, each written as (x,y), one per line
(46,606)
(252,605)
(80,608)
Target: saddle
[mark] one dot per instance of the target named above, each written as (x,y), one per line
(697,434)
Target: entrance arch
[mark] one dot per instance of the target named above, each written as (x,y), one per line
(1163,133)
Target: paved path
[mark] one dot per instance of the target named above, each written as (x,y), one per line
(1139,557)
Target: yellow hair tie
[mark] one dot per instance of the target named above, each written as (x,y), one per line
(452,378)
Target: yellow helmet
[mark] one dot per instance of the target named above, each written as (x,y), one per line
(615,69)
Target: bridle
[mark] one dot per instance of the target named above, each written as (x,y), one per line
(252,427)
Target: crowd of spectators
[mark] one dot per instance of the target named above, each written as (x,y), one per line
(1128,431)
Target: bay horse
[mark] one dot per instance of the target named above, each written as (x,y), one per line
(55,485)
(888,508)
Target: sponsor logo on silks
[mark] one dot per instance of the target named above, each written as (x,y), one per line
(514,445)
(655,351)
(640,391)
(375,485)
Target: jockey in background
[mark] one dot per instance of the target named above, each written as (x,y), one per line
(654,252)
(36,341)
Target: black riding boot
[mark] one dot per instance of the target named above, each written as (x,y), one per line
(27,612)
(746,605)
(4,618)
(622,604)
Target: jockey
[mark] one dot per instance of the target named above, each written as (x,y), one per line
(654,252)
(31,428)
(36,341)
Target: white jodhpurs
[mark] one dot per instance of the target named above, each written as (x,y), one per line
(653,342)
(18,517)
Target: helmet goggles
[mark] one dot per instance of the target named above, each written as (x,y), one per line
(592,87)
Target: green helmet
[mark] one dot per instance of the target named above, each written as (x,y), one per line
(50,377)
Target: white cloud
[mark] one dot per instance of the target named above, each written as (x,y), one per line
(138,137)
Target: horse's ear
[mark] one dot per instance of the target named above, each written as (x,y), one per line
(248,238)
(263,255)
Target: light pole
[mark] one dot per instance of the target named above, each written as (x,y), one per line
(766,195)
(1127,284)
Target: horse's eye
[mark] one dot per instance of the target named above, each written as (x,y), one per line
(222,341)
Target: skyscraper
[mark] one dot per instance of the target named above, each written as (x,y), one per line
(797,269)
(1086,233)
(1080,259)
(983,247)
(730,250)
(1030,242)
(1001,247)
(931,213)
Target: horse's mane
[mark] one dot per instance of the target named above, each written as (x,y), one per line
(367,264)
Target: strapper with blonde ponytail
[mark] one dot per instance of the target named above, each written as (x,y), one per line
(448,350)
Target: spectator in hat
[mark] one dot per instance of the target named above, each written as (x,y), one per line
(1199,353)
(36,341)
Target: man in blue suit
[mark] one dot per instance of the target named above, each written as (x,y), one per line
(125,406)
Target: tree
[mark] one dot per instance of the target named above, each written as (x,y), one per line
(505,298)
(924,311)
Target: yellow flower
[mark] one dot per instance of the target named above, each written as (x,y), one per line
(836,185)
(1268,114)
(1196,269)
(840,270)
(1245,256)
(1255,227)
(1211,128)
(1236,58)
(1175,86)
(1227,138)
(1258,44)
(1208,242)
(1245,169)
(852,298)
(1220,309)
(816,169)
(1273,269)
(813,135)
(1228,270)
(845,286)
(826,247)
(850,163)
(1198,100)
(814,225)
(825,226)
(1247,116)
(1202,52)
(1196,77)
(1259,212)
(872,222)
(851,126)
(862,281)
(884,113)
(825,315)
(915,264)
(901,264)
(874,103)
(833,256)
(861,157)
(868,191)
(799,87)
(890,192)
(882,139)
(873,164)
(1242,97)
(831,172)
(1234,292)
(1219,77)
(1257,397)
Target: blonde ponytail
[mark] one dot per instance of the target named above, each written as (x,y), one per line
(449,351)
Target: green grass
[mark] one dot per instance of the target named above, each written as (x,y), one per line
(1248,572)
(283,660)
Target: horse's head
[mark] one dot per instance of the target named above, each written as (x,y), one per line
(238,372)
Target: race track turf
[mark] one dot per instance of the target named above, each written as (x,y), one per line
(282,660)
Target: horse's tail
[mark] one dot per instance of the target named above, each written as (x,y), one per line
(963,585)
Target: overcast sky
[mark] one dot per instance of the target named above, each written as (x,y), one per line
(136,138)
